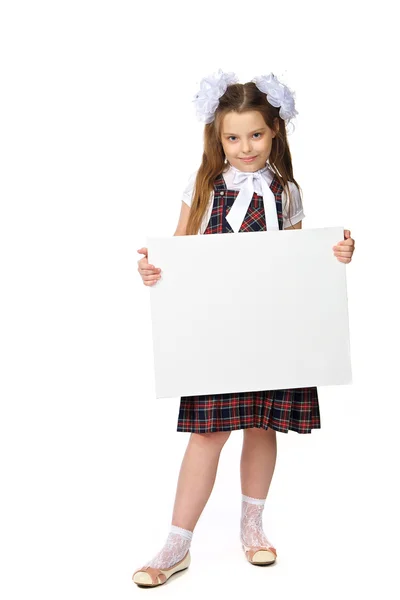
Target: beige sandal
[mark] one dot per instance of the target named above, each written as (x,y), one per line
(260,555)
(150,576)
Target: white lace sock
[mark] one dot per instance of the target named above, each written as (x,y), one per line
(175,548)
(251,527)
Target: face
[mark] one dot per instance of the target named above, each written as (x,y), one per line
(246,135)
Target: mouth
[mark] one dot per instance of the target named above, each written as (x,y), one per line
(248,159)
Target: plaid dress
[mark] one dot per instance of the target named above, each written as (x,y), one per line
(297,408)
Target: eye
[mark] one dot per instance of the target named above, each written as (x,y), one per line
(234,136)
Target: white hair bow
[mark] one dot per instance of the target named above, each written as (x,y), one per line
(214,86)
(278,95)
(211,90)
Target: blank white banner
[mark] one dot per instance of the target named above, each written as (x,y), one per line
(249,311)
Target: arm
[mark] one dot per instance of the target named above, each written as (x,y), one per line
(297,226)
(183,219)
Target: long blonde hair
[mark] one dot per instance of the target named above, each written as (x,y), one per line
(238,97)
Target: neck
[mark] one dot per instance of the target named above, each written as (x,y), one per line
(262,169)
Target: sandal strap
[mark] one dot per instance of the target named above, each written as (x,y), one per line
(251,550)
(157,576)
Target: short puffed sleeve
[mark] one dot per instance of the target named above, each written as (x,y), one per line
(296,206)
(188,191)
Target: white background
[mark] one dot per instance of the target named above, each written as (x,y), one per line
(98,138)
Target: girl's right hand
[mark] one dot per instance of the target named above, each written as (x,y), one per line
(149,273)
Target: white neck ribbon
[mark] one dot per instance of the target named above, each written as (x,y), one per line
(242,201)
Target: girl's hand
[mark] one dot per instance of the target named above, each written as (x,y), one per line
(149,273)
(345,248)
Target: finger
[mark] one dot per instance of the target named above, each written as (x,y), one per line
(145,268)
(349,242)
(344,260)
(144,264)
(150,281)
(343,249)
(347,233)
(343,254)
(150,275)
(148,272)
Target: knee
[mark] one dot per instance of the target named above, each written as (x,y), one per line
(215,438)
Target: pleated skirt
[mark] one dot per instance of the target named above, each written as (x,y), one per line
(283,410)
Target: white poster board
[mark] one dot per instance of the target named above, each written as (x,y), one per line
(249,311)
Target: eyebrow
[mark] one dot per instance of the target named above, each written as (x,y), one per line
(255,131)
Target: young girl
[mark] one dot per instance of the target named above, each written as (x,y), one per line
(246,169)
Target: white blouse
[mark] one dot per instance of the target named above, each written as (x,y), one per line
(268,174)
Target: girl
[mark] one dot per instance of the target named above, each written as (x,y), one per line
(245,183)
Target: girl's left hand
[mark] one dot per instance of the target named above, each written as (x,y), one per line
(345,248)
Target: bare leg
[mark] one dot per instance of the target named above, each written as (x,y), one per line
(195,483)
(257,463)
(197,477)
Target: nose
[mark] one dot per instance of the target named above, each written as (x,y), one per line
(246,146)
